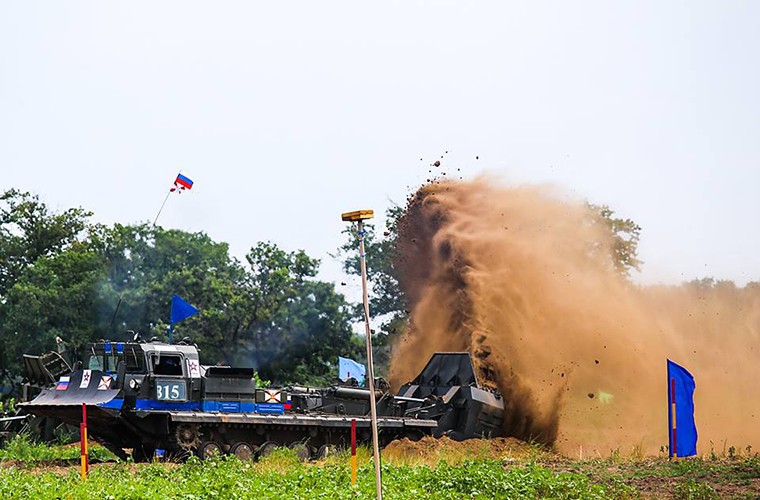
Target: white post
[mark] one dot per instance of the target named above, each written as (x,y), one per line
(370,366)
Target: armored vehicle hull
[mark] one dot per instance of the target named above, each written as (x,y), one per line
(152,396)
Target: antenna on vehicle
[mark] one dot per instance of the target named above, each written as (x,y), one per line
(113,318)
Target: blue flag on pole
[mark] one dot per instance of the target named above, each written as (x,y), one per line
(348,368)
(181,310)
(682,431)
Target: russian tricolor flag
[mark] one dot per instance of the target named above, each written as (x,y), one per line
(62,384)
(182,182)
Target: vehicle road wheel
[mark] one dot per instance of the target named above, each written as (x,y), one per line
(326,450)
(209,449)
(267,448)
(302,451)
(243,451)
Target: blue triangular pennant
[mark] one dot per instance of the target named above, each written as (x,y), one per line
(181,310)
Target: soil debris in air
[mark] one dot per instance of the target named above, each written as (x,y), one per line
(546,293)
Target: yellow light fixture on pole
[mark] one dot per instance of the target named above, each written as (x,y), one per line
(359,216)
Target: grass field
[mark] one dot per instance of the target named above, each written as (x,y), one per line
(428,469)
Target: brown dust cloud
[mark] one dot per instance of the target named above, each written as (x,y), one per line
(523,279)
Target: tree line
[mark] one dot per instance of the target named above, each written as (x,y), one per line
(61,275)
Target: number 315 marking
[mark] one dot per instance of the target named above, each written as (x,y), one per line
(168,391)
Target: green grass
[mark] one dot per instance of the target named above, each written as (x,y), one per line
(229,478)
(693,490)
(21,448)
(25,473)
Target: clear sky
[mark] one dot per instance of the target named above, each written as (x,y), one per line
(286,114)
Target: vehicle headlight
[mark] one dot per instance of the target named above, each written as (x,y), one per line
(134,384)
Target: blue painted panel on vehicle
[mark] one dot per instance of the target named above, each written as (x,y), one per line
(150,404)
(270,408)
(229,406)
(114,404)
(210,406)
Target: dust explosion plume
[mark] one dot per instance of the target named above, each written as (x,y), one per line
(524,280)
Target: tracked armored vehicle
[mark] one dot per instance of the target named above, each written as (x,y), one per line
(148,396)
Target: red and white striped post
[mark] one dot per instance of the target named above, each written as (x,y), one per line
(83,443)
(353,451)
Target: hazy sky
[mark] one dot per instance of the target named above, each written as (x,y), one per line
(286,114)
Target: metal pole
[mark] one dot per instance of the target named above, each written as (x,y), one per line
(370,366)
(85,452)
(353,451)
(674,448)
(161,209)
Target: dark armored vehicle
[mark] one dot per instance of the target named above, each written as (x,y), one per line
(148,396)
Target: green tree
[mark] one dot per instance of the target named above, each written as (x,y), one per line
(29,230)
(386,299)
(386,296)
(32,234)
(54,297)
(297,325)
(625,238)
(144,266)
(269,312)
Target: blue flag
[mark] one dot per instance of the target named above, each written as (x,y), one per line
(348,368)
(682,429)
(181,310)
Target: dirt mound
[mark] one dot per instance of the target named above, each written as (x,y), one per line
(429,450)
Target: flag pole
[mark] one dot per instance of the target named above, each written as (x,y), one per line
(670,410)
(162,208)
(674,452)
(121,294)
(671,385)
